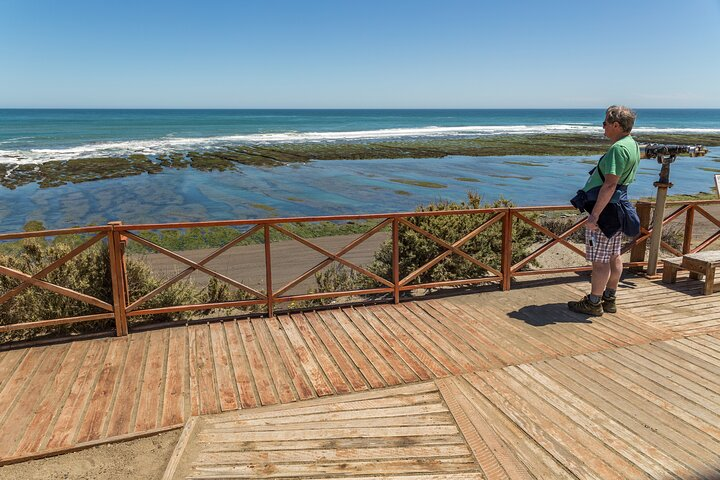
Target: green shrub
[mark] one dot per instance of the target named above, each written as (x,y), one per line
(88,273)
(219,292)
(560,225)
(416,250)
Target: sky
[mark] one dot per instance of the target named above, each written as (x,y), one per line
(359,54)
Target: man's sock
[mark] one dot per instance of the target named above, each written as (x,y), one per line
(594,298)
(609,292)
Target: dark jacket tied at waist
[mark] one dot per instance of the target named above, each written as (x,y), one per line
(619,214)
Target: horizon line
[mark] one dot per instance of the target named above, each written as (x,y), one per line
(349,108)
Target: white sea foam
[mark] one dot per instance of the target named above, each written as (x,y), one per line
(174,144)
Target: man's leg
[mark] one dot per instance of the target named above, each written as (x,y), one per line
(601,274)
(616,269)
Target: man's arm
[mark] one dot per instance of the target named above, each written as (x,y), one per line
(604,195)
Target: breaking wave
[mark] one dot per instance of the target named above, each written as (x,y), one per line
(169,144)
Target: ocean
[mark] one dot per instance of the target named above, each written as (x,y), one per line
(315,188)
(44,135)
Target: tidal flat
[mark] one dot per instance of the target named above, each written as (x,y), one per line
(233,158)
(175,191)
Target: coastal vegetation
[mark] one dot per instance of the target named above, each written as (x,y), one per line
(232,158)
(417,249)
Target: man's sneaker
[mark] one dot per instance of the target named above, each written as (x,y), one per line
(587,307)
(608,304)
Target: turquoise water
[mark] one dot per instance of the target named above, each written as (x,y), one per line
(316,188)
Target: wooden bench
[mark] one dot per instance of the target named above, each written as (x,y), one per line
(699,264)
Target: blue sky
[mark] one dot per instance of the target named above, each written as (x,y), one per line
(359,54)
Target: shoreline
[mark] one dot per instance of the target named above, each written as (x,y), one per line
(232,158)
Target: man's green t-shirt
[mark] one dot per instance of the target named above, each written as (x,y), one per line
(621,159)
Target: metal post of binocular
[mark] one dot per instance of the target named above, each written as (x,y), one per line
(665,155)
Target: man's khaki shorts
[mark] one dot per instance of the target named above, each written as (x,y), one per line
(599,248)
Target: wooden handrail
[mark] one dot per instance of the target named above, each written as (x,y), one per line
(116,233)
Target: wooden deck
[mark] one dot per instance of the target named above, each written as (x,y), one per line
(650,411)
(68,396)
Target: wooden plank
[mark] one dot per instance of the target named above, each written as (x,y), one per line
(398,367)
(21,412)
(487,326)
(173,409)
(366,368)
(662,393)
(15,385)
(425,342)
(672,377)
(103,394)
(419,418)
(493,456)
(323,358)
(124,406)
(535,458)
(149,402)
(596,424)
(692,372)
(65,428)
(361,467)
(50,405)
(422,476)
(456,360)
(692,355)
(223,367)
(560,440)
(432,365)
(458,320)
(457,338)
(599,399)
(341,358)
(205,370)
(366,347)
(290,360)
(490,328)
(710,342)
(278,372)
(624,408)
(333,455)
(327,433)
(341,443)
(241,367)
(374,411)
(607,449)
(310,366)
(263,382)
(700,344)
(9,363)
(417,367)
(414,394)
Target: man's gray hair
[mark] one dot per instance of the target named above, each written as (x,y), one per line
(623,115)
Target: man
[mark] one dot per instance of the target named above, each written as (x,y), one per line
(603,234)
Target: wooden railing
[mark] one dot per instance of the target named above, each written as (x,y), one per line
(117,236)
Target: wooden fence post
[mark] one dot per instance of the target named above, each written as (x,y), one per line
(119,281)
(268,271)
(687,238)
(506,255)
(637,253)
(396,258)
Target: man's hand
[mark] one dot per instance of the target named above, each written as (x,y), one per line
(591,223)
